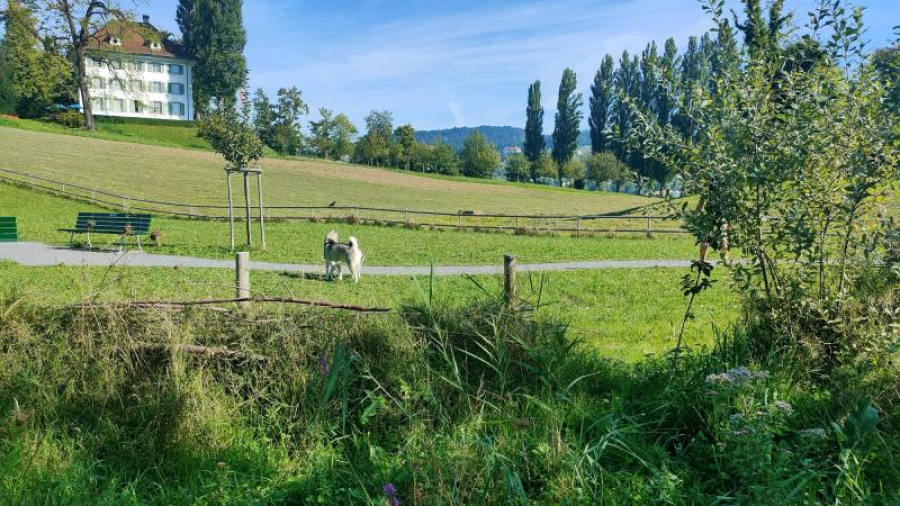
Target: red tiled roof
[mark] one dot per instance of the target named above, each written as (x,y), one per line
(134,37)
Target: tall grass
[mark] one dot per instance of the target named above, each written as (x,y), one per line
(446,404)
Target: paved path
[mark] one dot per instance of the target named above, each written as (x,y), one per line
(38,254)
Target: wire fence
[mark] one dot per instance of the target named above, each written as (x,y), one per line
(586,225)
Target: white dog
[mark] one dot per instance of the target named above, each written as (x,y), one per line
(337,253)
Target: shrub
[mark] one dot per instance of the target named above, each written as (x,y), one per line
(68,118)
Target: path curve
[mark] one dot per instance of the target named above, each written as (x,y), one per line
(39,254)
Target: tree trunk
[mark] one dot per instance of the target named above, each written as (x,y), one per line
(84,89)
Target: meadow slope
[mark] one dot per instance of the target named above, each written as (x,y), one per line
(195,176)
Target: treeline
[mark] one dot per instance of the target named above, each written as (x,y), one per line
(333,136)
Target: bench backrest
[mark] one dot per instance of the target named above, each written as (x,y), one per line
(8,231)
(113,223)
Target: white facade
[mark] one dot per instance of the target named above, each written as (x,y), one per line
(141,86)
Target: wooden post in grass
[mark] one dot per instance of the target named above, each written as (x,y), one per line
(509,279)
(648,226)
(247,207)
(242,270)
(230,207)
(262,226)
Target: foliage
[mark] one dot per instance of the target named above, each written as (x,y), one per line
(534,124)
(374,148)
(278,125)
(404,145)
(602,167)
(67,118)
(38,76)
(790,166)
(575,170)
(887,63)
(213,32)
(568,120)
(332,136)
(601,101)
(518,168)
(478,157)
(232,135)
(544,168)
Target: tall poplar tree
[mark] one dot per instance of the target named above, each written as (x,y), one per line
(601,101)
(534,124)
(627,79)
(213,32)
(568,120)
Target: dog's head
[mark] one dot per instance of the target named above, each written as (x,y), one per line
(331,237)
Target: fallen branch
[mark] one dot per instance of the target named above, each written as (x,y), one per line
(215,351)
(206,302)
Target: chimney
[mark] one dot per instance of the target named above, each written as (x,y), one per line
(146,19)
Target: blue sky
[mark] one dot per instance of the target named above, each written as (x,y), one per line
(458,63)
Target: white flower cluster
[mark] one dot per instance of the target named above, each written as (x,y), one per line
(737,376)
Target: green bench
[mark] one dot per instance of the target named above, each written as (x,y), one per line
(122,225)
(8,232)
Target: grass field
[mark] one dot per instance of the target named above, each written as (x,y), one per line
(196,177)
(624,313)
(41,214)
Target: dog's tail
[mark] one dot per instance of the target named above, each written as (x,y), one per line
(354,244)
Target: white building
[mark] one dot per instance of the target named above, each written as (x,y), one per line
(135,72)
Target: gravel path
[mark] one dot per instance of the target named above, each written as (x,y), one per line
(38,254)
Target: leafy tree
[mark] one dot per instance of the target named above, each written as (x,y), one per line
(443,160)
(568,121)
(761,35)
(263,116)
(342,133)
(601,101)
(605,166)
(375,146)
(534,124)
(518,168)
(627,79)
(232,135)
(213,32)
(72,23)
(819,162)
(332,136)
(405,137)
(478,157)
(37,75)
(284,136)
(544,168)
(575,170)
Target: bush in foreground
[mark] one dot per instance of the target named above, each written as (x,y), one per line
(438,405)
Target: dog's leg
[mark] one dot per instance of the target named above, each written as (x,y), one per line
(340,271)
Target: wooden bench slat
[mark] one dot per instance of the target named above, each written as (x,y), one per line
(8,230)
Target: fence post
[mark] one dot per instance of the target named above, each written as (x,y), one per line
(509,279)
(648,225)
(458,221)
(406,216)
(125,204)
(578,226)
(242,270)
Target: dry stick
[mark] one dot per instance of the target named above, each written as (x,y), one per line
(162,304)
(193,349)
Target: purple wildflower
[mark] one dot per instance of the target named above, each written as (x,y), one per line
(390,492)
(323,365)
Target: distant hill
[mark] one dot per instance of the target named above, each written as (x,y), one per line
(500,136)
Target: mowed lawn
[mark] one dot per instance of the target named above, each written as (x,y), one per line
(197,177)
(41,214)
(625,314)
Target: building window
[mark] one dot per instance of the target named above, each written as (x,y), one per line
(156,67)
(98,104)
(176,69)
(176,89)
(98,83)
(95,62)
(156,87)
(135,85)
(115,85)
(115,41)
(176,109)
(156,46)
(138,106)
(117,105)
(116,64)
(157,107)
(135,66)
